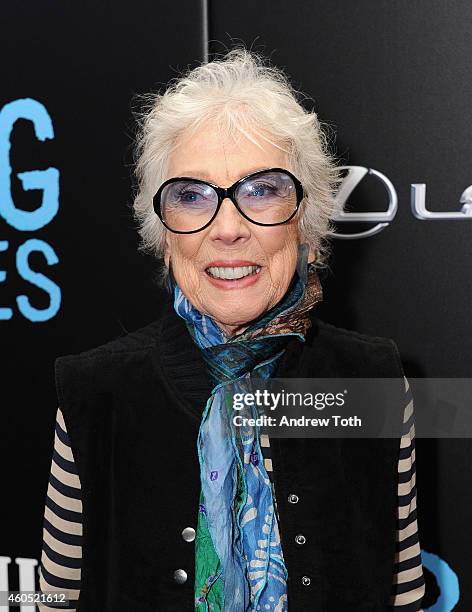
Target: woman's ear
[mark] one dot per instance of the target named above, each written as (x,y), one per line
(166,250)
(312,255)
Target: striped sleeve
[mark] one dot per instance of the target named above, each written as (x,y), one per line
(265,451)
(60,568)
(408,587)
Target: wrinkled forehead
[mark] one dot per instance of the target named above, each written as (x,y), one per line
(214,155)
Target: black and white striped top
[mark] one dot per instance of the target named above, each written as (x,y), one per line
(61,556)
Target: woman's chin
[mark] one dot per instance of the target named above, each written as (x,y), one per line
(235,319)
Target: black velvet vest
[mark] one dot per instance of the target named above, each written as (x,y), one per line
(132,408)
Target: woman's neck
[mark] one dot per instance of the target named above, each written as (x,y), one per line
(230,331)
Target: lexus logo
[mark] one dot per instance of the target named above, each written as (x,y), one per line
(355,174)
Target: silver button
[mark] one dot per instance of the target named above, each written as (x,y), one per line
(188,534)
(180,576)
(306,580)
(293,499)
(300,539)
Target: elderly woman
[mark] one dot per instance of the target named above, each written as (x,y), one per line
(155,502)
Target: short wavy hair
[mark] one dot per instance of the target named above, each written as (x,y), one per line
(241,91)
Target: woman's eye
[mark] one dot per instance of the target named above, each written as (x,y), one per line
(189,196)
(261,190)
(192,198)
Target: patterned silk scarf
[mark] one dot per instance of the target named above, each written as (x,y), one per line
(239,564)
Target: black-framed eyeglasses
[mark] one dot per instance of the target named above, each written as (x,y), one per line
(186,205)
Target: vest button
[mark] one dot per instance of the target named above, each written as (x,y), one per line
(180,576)
(188,534)
(306,580)
(293,499)
(300,539)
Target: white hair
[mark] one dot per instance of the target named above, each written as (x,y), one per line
(237,91)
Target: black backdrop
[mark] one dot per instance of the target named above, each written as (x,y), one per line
(391,79)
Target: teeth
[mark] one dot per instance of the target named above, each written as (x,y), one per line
(233,273)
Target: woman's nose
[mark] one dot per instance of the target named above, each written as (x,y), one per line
(229,225)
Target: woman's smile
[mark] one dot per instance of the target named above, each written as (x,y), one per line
(236,274)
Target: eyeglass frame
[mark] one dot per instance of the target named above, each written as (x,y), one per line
(227,192)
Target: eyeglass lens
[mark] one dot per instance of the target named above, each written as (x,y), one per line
(267,198)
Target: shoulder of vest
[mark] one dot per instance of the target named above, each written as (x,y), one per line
(94,368)
(140,339)
(342,335)
(347,346)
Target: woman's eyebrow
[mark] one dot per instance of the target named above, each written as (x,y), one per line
(202,174)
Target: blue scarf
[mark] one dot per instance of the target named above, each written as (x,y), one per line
(239,563)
